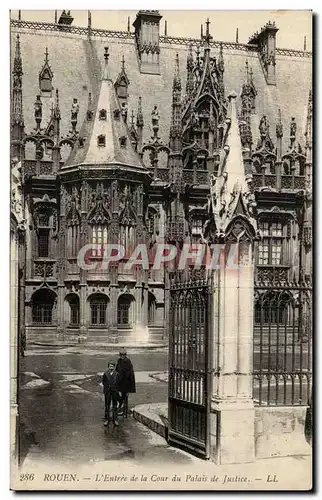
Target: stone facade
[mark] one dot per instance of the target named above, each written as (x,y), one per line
(128,149)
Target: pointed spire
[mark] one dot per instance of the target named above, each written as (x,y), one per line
(293,128)
(230,191)
(165,28)
(176,78)
(237,35)
(139,115)
(56,109)
(235,163)
(279,125)
(201,31)
(247,71)
(89,24)
(19,15)
(308,129)
(17,64)
(17,121)
(55,16)
(128,25)
(104,139)
(132,119)
(304,44)
(190,65)
(176,125)
(208,37)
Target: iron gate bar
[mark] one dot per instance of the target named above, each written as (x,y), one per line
(189,353)
(282,332)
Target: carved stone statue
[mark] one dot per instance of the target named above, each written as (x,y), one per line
(124,110)
(155,117)
(74,110)
(38,109)
(263,126)
(194,120)
(293,128)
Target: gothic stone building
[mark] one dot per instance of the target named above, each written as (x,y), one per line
(119,134)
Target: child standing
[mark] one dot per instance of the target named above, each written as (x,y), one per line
(110,385)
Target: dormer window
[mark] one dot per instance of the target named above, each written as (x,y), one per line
(116,114)
(45,83)
(89,115)
(123,142)
(101,140)
(102,114)
(45,78)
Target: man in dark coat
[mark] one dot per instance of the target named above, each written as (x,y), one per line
(126,385)
(110,382)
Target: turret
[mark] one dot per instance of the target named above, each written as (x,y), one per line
(147,32)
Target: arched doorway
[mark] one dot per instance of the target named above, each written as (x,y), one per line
(42,307)
(98,309)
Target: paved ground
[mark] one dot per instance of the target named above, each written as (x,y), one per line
(62,408)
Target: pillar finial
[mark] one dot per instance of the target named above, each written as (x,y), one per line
(165,28)
(237,38)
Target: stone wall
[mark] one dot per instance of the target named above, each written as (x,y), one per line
(279,432)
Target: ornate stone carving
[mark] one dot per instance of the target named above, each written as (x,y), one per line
(99,205)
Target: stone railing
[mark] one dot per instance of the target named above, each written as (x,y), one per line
(34,167)
(88,31)
(279,182)
(162,174)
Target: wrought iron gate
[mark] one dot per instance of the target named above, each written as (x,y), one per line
(282,342)
(189,362)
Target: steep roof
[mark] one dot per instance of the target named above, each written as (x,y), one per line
(75,62)
(105,121)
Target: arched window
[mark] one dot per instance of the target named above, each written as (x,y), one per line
(98,305)
(99,237)
(73,240)
(73,301)
(124,310)
(151,308)
(42,307)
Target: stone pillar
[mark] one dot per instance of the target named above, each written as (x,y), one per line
(232,428)
(145,307)
(14,304)
(83,310)
(61,330)
(114,288)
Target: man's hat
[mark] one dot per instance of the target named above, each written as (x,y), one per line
(123,351)
(111,363)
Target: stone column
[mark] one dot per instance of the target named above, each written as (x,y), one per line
(83,309)
(14,304)
(232,419)
(114,288)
